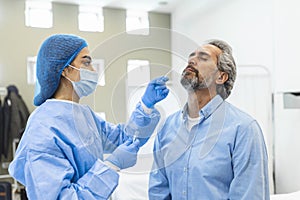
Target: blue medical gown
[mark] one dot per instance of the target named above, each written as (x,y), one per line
(222,157)
(60,155)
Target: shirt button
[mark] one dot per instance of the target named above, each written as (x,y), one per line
(184,192)
(185,169)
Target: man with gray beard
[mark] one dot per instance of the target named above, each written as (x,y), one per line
(209,150)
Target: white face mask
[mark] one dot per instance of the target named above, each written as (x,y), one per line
(87,84)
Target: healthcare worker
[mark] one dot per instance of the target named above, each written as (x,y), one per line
(210,150)
(60,155)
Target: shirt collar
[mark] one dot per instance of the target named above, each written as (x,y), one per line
(61,100)
(208,109)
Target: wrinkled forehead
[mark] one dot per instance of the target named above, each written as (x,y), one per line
(207,49)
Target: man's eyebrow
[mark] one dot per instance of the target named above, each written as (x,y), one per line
(202,53)
(192,54)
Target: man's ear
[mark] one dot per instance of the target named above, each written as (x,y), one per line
(222,78)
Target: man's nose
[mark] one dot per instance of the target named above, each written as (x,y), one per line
(192,62)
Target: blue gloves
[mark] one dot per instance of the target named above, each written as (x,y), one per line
(155,91)
(125,155)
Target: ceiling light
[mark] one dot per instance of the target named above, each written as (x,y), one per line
(163,3)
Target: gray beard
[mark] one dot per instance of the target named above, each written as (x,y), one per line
(192,84)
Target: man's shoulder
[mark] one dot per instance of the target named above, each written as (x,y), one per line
(240,119)
(237,113)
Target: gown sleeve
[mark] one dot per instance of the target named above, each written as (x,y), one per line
(140,124)
(47,173)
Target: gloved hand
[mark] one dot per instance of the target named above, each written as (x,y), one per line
(125,155)
(143,141)
(155,91)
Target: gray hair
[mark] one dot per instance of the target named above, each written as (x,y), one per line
(225,64)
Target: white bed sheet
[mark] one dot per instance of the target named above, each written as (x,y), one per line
(289,196)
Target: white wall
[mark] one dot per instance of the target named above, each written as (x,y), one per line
(261,32)
(246,25)
(287,43)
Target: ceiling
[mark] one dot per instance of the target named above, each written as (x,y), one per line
(164,6)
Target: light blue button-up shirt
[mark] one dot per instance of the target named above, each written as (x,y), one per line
(223,157)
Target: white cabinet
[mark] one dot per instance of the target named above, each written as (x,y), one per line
(287,139)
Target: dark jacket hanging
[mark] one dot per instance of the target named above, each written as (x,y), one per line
(1,131)
(15,118)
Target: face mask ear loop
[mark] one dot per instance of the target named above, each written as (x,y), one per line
(67,79)
(74,67)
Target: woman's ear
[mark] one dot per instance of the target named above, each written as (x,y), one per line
(222,78)
(65,72)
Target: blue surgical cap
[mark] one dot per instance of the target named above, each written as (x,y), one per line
(56,53)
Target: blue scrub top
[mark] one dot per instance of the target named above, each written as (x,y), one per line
(223,157)
(60,155)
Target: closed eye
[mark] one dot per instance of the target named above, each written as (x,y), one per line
(203,58)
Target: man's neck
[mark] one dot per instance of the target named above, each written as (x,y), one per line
(197,100)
